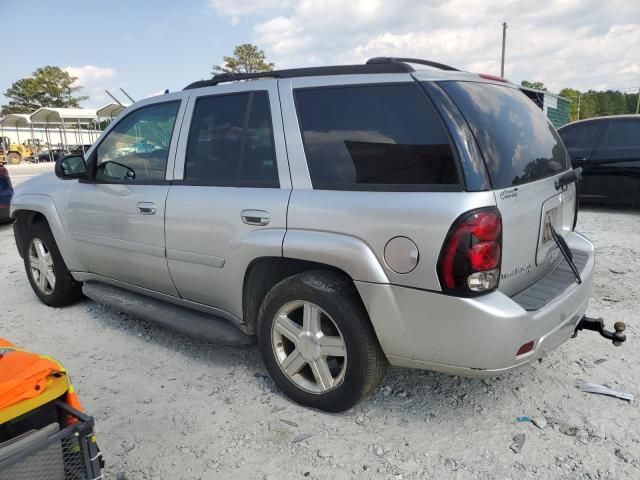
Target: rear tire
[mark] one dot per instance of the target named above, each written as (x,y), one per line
(46,270)
(14,158)
(317,342)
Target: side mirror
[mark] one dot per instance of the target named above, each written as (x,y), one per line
(70,167)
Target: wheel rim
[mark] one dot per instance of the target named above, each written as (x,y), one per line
(41,264)
(309,347)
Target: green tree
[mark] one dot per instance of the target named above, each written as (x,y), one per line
(246,58)
(47,87)
(536,85)
(573,95)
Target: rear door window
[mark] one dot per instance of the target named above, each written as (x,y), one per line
(582,138)
(374,137)
(517,141)
(231,142)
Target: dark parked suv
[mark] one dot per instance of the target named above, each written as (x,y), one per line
(608,150)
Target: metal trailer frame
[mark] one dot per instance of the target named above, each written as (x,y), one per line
(80,430)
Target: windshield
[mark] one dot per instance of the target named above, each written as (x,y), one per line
(517,141)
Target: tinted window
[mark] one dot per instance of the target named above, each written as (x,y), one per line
(137,148)
(622,134)
(231,142)
(583,137)
(373,136)
(518,143)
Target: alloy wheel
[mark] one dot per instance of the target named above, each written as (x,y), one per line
(41,264)
(309,347)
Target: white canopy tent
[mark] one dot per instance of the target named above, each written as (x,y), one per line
(15,120)
(62,118)
(110,110)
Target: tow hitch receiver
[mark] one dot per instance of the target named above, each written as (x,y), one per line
(597,325)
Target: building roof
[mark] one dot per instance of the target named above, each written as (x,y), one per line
(60,115)
(15,120)
(110,110)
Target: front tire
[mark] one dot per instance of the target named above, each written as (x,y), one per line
(317,342)
(14,158)
(46,270)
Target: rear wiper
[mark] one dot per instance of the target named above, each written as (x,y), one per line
(566,252)
(568,178)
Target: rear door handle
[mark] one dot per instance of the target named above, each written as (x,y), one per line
(255,217)
(146,208)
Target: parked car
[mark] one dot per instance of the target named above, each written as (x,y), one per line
(46,155)
(608,150)
(6,192)
(350,217)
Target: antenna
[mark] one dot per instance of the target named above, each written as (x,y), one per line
(127,95)
(117,101)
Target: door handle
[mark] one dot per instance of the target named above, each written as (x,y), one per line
(255,217)
(146,208)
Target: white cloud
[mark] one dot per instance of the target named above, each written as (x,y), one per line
(579,43)
(93,80)
(238,8)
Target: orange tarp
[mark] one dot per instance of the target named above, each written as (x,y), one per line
(25,375)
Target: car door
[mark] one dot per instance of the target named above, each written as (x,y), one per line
(615,163)
(581,139)
(227,204)
(116,218)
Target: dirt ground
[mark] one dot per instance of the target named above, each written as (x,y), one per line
(170,407)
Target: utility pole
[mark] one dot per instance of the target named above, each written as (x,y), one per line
(638,104)
(504,40)
(579,97)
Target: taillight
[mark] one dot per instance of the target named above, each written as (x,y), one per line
(470,259)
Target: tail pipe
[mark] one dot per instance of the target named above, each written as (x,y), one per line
(597,325)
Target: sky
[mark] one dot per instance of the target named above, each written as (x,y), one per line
(147,47)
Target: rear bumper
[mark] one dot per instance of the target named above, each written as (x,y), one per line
(477,337)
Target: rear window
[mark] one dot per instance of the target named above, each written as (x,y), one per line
(374,137)
(518,143)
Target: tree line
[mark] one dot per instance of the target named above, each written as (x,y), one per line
(593,103)
(52,86)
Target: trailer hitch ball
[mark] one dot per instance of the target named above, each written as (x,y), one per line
(619,337)
(597,325)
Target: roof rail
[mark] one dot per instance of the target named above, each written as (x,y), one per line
(417,61)
(379,67)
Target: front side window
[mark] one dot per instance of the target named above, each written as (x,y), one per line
(137,148)
(622,134)
(231,142)
(374,137)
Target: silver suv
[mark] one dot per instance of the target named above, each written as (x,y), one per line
(349,217)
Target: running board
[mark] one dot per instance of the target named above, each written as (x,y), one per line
(189,322)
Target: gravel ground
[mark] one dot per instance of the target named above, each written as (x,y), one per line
(169,407)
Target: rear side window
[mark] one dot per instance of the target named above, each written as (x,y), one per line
(622,134)
(517,141)
(374,137)
(581,137)
(231,142)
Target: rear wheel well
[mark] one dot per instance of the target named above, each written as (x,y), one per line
(24,220)
(263,273)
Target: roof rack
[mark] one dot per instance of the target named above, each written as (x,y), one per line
(373,65)
(417,61)
(381,67)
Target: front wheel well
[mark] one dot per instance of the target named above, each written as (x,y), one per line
(263,273)
(24,219)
